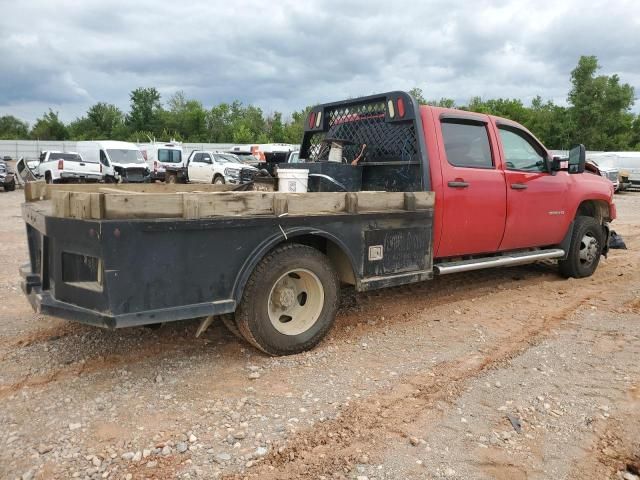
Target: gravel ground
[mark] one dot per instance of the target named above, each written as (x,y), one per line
(505,373)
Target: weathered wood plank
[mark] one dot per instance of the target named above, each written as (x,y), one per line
(380,201)
(425,200)
(60,201)
(316,203)
(150,205)
(79,205)
(42,191)
(97,205)
(351,202)
(34,191)
(112,203)
(228,204)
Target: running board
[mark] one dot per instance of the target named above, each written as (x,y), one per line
(505,260)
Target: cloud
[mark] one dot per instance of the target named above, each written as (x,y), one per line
(287,54)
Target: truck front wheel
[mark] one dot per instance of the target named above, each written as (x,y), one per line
(290,301)
(585,248)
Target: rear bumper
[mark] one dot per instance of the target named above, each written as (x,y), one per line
(42,301)
(91,177)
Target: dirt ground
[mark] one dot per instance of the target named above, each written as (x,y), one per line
(507,373)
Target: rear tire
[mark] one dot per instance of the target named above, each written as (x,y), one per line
(587,242)
(290,301)
(47,177)
(10,187)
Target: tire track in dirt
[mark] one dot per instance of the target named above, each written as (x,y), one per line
(150,352)
(335,445)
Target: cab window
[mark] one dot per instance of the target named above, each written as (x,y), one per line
(467,144)
(520,153)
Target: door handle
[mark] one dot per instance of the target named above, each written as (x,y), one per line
(458,184)
(519,186)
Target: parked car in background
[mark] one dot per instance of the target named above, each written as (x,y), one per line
(608,172)
(249,154)
(627,163)
(159,155)
(215,167)
(58,167)
(294,157)
(121,162)
(265,155)
(7,178)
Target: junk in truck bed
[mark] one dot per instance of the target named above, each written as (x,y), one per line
(402,192)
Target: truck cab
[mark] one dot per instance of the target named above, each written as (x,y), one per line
(498,186)
(214,167)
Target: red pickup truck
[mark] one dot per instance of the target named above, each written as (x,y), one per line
(414,192)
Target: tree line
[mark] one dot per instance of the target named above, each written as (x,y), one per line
(598,114)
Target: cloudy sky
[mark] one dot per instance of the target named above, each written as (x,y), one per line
(285,54)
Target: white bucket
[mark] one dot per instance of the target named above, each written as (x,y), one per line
(293,180)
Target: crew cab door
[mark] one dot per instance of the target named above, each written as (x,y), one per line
(474,197)
(537,213)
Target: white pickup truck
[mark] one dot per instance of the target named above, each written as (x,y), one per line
(58,167)
(214,167)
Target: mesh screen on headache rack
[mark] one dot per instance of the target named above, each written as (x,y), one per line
(361,124)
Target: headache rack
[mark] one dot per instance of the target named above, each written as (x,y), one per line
(390,126)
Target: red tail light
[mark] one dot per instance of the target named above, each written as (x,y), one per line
(60,165)
(312,119)
(401,110)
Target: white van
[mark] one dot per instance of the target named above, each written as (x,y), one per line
(160,155)
(121,161)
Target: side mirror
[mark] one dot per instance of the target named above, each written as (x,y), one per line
(577,159)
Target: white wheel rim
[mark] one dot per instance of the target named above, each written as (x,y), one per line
(295,301)
(588,249)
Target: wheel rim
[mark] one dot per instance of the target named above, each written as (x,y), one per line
(295,301)
(589,249)
(218,181)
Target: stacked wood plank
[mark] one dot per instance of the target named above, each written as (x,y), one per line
(206,201)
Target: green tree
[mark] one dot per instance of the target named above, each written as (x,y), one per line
(186,118)
(275,128)
(600,107)
(108,120)
(146,110)
(416,93)
(102,121)
(12,128)
(294,129)
(49,127)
